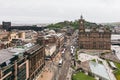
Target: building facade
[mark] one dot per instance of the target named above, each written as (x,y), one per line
(6,25)
(53,42)
(22,63)
(94,38)
(14,68)
(36,58)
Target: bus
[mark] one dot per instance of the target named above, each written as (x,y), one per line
(60,63)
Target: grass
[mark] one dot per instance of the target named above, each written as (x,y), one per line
(105,53)
(94,60)
(81,76)
(100,62)
(76,55)
(117,72)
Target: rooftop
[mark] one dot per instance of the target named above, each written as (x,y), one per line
(33,49)
(9,53)
(115,37)
(98,30)
(99,70)
(6,54)
(117,50)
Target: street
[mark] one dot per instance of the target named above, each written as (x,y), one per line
(67,60)
(52,69)
(65,67)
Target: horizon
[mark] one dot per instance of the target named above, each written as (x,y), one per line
(37,23)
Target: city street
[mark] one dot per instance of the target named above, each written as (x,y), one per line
(65,67)
(55,72)
(67,60)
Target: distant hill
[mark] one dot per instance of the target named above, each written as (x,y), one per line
(74,24)
(112,24)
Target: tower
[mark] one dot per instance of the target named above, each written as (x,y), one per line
(81,22)
(6,25)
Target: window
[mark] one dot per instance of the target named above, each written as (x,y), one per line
(94,45)
(10,77)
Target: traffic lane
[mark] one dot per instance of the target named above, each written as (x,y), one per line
(64,71)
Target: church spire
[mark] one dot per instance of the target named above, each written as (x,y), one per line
(81,17)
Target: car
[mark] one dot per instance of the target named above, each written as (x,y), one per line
(60,62)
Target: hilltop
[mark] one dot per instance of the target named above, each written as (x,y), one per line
(73,24)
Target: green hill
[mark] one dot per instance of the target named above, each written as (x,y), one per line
(74,24)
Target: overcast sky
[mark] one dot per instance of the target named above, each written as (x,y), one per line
(48,11)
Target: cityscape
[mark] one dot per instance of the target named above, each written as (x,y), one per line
(67,42)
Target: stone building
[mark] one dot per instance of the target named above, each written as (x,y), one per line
(99,39)
(13,64)
(22,62)
(36,58)
(53,43)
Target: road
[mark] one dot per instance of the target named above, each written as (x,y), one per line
(66,64)
(67,61)
(65,67)
(60,73)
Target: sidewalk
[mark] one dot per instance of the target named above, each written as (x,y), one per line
(69,74)
(57,57)
(46,74)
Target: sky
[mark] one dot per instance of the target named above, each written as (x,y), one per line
(53,11)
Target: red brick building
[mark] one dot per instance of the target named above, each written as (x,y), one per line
(94,38)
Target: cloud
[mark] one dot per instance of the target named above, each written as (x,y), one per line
(45,11)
